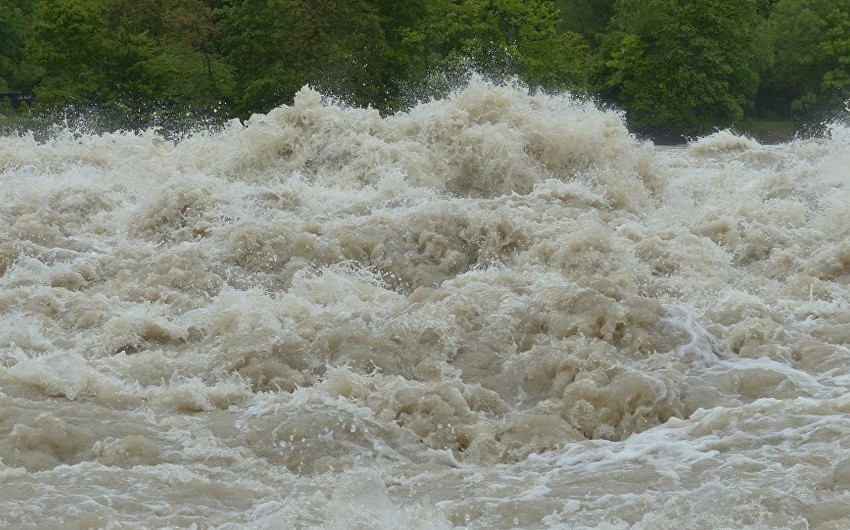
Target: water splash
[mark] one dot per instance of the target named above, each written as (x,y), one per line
(498,309)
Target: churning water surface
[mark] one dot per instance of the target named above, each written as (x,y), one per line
(497,310)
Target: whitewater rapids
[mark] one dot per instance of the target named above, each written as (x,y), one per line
(497,310)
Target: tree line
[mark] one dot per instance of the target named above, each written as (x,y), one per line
(677,67)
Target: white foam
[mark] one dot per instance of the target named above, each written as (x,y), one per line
(496,310)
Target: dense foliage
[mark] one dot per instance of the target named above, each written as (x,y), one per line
(675,66)
(682,63)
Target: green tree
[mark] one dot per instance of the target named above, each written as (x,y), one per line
(131,61)
(276,46)
(586,17)
(681,66)
(403,63)
(835,55)
(545,56)
(68,42)
(500,37)
(765,7)
(179,63)
(810,76)
(13,22)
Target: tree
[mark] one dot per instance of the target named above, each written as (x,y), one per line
(68,42)
(181,65)
(500,37)
(13,22)
(545,56)
(403,63)
(835,56)
(276,46)
(586,17)
(810,76)
(681,66)
(765,7)
(126,63)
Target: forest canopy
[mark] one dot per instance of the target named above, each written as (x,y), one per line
(676,67)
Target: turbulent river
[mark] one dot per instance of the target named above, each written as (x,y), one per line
(497,310)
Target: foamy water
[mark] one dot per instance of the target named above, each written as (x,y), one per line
(498,310)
